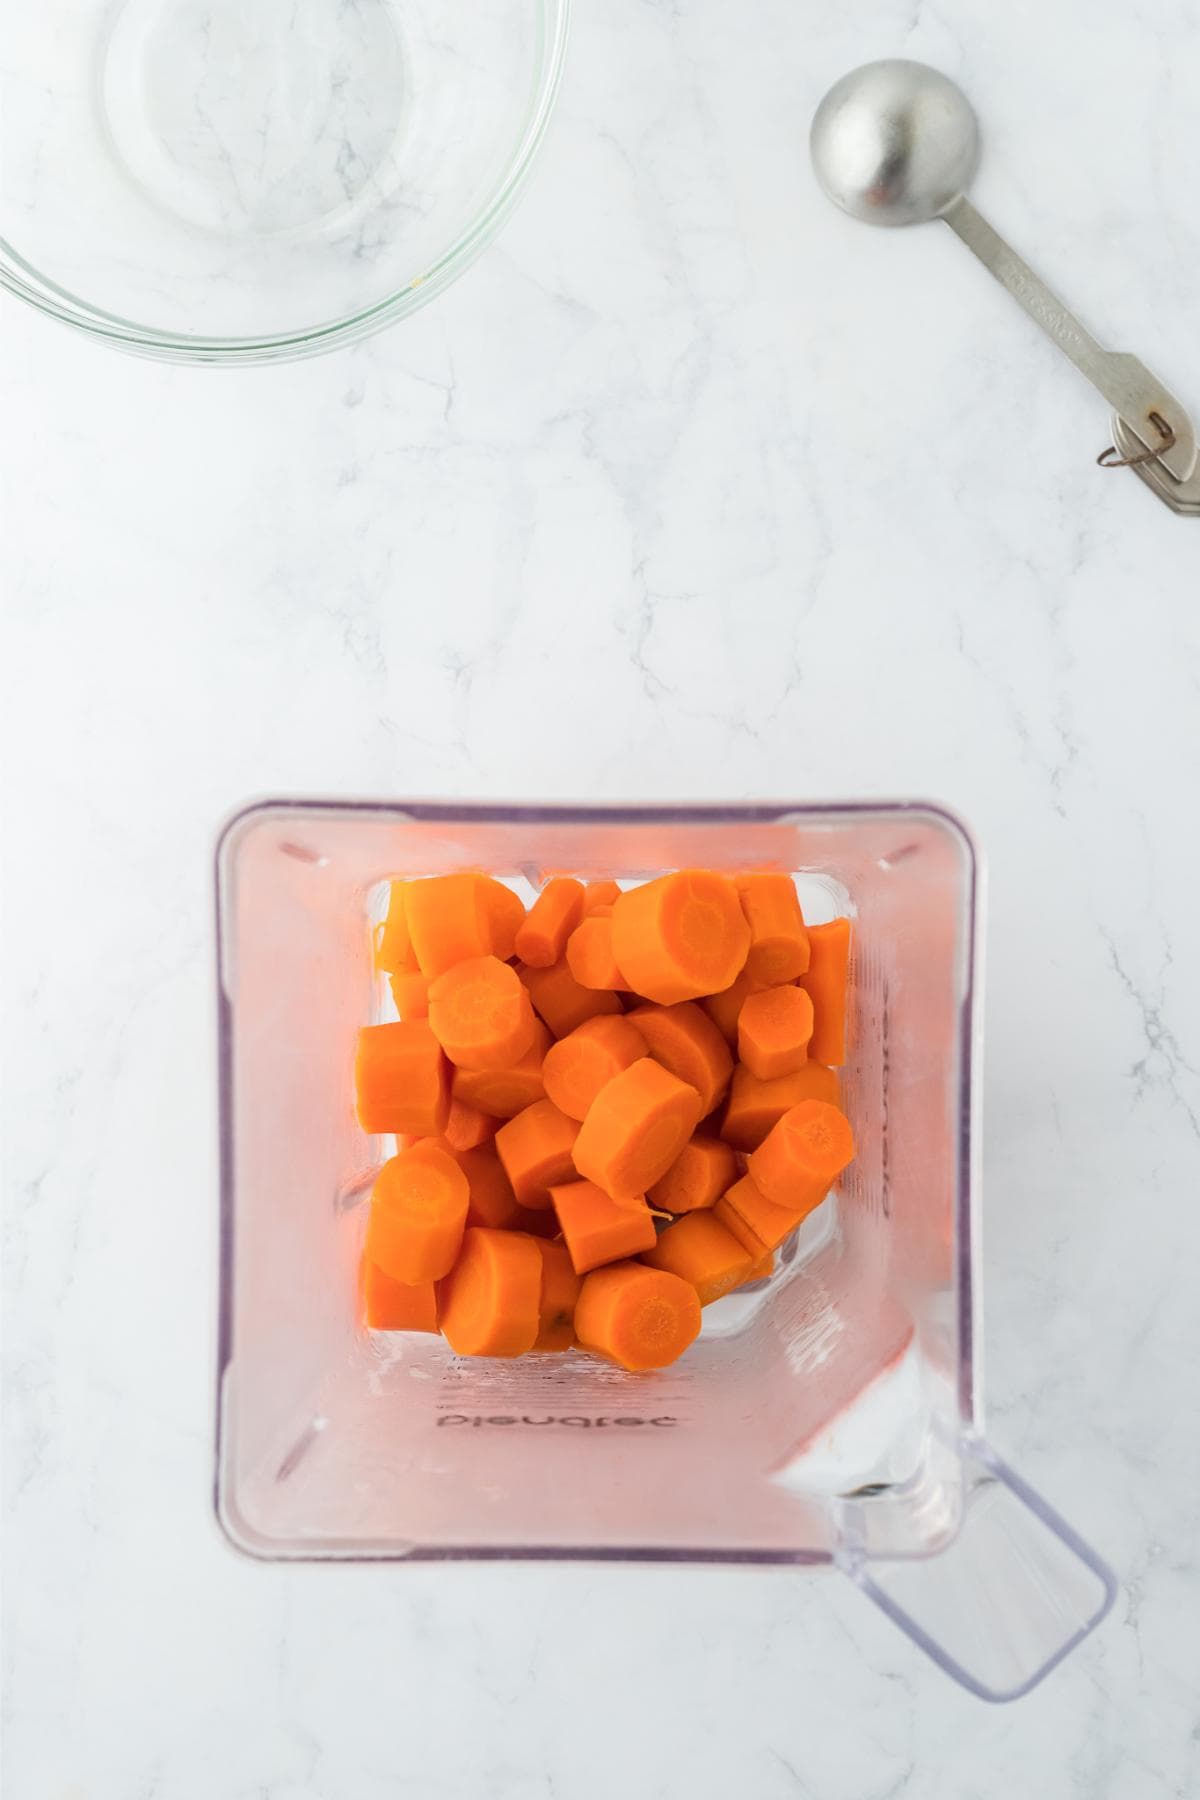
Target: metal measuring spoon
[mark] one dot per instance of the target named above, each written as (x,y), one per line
(896,143)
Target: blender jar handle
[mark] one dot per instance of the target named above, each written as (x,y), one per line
(1008,1598)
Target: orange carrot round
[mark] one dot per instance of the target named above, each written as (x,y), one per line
(418,1212)
(548,924)
(489,1302)
(638,1317)
(697,1178)
(699,1250)
(584,1061)
(685,1040)
(391,1306)
(556,1303)
(755,1106)
(590,953)
(490,1199)
(506,915)
(402,1079)
(803,1154)
(826,982)
(778,936)
(598,1229)
(506,1092)
(448,921)
(480,1014)
(536,1150)
(680,936)
(725,1008)
(635,1128)
(774,1029)
(562,1001)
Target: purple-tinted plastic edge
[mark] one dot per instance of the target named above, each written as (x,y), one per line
(664,813)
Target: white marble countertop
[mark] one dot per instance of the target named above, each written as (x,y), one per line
(690,488)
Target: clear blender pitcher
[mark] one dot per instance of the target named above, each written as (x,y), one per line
(831,1415)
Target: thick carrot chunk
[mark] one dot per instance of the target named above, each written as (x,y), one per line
(701,1251)
(410,991)
(506,1092)
(535,1149)
(590,953)
(402,1079)
(506,915)
(598,1229)
(584,1061)
(394,953)
(725,1008)
(680,936)
(599,894)
(548,924)
(638,1317)
(803,1154)
(685,1040)
(448,921)
(757,1223)
(489,1303)
(391,1306)
(418,1213)
(481,1015)
(755,1106)
(778,936)
(468,1127)
(635,1128)
(564,1002)
(774,1029)
(826,982)
(697,1178)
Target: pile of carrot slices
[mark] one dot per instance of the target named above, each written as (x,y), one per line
(610,1109)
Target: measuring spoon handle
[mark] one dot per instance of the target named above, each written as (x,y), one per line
(1128,386)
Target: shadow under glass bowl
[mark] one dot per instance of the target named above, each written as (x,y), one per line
(252,180)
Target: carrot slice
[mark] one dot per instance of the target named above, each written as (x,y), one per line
(418,1212)
(700,1250)
(590,953)
(549,922)
(778,935)
(506,1092)
(535,1149)
(506,915)
(697,1178)
(480,1014)
(763,1269)
(803,1154)
(638,1317)
(685,1040)
(724,1009)
(584,1061)
(556,1302)
(562,1001)
(755,1106)
(774,1029)
(599,894)
(394,953)
(410,991)
(598,1229)
(402,1079)
(826,982)
(488,1303)
(391,1306)
(757,1223)
(448,921)
(680,936)
(635,1128)
(468,1127)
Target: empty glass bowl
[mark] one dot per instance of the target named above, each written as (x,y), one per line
(244,180)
